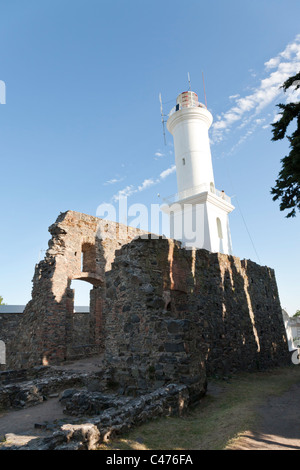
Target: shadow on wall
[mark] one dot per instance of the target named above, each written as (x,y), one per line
(238,313)
(234,344)
(169,309)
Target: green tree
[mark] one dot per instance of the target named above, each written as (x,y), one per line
(287,188)
(297,314)
(1,301)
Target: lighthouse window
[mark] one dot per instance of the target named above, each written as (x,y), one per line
(219,227)
(183,161)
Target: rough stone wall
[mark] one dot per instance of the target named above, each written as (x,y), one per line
(81,328)
(161,313)
(46,331)
(8,325)
(171,313)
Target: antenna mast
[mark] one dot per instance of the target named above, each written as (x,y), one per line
(162,118)
(189,80)
(204,89)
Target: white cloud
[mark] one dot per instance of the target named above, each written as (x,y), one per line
(113,181)
(272,63)
(284,65)
(276,117)
(147,183)
(167,172)
(259,121)
(125,192)
(292,95)
(159,154)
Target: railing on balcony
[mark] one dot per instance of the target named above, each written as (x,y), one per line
(202,188)
(191,104)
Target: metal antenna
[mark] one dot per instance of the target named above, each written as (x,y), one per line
(204,89)
(162,118)
(189,80)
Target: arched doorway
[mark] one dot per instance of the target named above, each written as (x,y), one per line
(81,312)
(84,325)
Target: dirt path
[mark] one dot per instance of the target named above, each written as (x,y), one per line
(19,425)
(278,427)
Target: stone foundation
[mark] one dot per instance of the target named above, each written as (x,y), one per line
(122,415)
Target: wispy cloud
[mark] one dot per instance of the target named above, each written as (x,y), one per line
(113,181)
(125,192)
(164,174)
(162,154)
(147,183)
(245,109)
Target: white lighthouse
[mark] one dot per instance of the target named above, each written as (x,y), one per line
(198,212)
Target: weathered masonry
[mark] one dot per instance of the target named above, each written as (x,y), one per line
(158,312)
(10,317)
(180,313)
(82,247)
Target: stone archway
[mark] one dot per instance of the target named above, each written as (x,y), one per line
(84,329)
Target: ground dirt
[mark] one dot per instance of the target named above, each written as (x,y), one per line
(277,426)
(20,426)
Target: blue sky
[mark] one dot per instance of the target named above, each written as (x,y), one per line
(82,121)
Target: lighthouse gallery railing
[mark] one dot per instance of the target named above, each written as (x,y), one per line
(197,190)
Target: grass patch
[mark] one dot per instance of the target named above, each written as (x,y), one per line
(228,410)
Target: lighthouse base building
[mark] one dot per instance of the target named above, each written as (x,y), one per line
(201,221)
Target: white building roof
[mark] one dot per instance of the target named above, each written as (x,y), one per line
(20,309)
(12,308)
(81,309)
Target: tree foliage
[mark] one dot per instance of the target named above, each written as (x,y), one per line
(287,188)
(297,314)
(1,301)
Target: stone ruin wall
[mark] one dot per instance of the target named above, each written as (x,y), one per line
(159,313)
(82,247)
(9,323)
(180,313)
